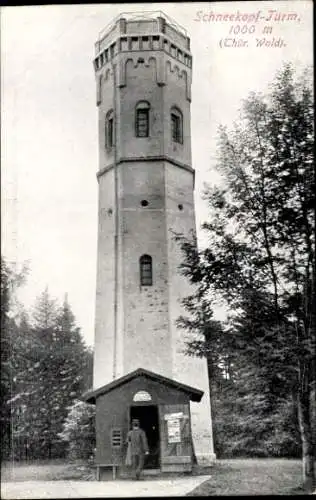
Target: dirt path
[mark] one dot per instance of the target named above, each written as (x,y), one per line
(100,489)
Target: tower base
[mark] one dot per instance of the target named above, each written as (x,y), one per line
(206,459)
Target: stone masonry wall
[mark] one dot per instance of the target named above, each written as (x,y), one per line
(104,313)
(147,341)
(189,370)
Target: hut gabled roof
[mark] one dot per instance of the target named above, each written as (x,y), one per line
(92,395)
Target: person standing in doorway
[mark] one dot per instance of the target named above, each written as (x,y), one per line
(138,447)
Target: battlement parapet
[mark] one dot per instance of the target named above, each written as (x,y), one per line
(138,32)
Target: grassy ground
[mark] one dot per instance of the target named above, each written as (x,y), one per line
(253,477)
(53,470)
(229,477)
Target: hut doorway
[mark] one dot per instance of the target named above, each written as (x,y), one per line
(149,422)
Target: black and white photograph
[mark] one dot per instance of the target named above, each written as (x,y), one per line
(158,307)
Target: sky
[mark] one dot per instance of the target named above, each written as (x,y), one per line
(49,152)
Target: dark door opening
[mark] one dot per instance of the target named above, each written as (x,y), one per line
(148,419)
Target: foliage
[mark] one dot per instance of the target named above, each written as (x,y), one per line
(79,430)
(11,280)
(260,257)
(46,366)
(249,423)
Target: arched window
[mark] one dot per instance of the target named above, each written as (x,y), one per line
(146,270)
(109,130)
(176,125)
(142,119)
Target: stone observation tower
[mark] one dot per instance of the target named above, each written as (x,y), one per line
(143,68)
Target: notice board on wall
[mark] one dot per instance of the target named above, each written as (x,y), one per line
(174,430)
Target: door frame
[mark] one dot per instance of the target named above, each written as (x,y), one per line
(143,405)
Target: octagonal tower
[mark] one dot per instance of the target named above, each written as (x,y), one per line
(143,68)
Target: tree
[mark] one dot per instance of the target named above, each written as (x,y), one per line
(260,257)
(31,404)
(5,354)
(79,430)
(21,360)
(248,419)
(11,280)
(58,366)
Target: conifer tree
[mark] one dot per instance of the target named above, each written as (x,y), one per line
(57,367)
(79,430)
(11,280)
(260,257)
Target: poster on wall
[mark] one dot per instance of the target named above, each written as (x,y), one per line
(174,433)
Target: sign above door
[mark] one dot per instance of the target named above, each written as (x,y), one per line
(142,396)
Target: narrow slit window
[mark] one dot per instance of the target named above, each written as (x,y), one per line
(146,271)
(109,130)
(142,119)
(99,90)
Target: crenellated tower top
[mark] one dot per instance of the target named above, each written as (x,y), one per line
(144,31)
(143,70)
